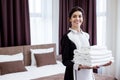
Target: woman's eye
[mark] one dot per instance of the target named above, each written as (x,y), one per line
(80,16)
(74,16)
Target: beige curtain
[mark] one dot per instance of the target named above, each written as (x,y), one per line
(117,65)
(113,38)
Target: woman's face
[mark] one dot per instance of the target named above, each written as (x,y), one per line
(76,19)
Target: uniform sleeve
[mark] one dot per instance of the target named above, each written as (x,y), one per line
(66,57)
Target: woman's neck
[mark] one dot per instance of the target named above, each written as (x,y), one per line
(76,28)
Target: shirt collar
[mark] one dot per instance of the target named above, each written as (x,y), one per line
(75,31)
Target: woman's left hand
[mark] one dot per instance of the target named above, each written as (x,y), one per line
(107,64)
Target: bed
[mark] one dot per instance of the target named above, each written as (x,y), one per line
(45,65)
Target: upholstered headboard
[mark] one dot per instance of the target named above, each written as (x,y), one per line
(26,50)
(11,50)
(42,46)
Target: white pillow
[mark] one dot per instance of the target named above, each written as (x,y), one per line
(38,51)
(15,57)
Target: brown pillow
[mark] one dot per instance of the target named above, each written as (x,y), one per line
(45,59)
(12,67)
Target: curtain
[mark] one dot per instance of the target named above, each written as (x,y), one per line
(64,8)
(117,65)
(14,23)
(113,37)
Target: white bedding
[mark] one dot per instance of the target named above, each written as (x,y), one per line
(35,72)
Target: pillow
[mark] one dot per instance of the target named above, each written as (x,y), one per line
(12,67)
(45,59)
(39,51)
(15,57)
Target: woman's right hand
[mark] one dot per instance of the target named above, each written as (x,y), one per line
(85,67)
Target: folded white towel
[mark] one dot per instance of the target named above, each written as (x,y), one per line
(93,63)
(92,56)
(92,52)
(96,47)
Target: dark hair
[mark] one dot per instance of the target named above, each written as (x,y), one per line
(76,8)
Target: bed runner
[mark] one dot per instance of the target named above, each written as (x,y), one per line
(61,77)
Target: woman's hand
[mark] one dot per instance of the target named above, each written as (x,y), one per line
(107,64)
(85,67)
(88,67)
(94,67)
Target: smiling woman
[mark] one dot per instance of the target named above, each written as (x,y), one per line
(75,38)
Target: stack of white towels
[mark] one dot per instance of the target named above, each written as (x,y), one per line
(92,56)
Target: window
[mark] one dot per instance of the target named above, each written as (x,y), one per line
(40,21)
(101,26)
(101,22)
(44,21)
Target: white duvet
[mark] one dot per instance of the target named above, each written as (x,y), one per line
(35,72)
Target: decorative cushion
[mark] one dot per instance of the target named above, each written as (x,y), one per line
(38,51)
(12,67)
(45,59)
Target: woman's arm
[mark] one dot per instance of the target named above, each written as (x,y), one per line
(94,67)
(107,64)
(66,52)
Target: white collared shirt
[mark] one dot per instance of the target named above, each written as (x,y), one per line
(81,39)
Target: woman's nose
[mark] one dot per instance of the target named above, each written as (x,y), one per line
(77,18)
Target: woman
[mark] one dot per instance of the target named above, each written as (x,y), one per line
(75,38)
